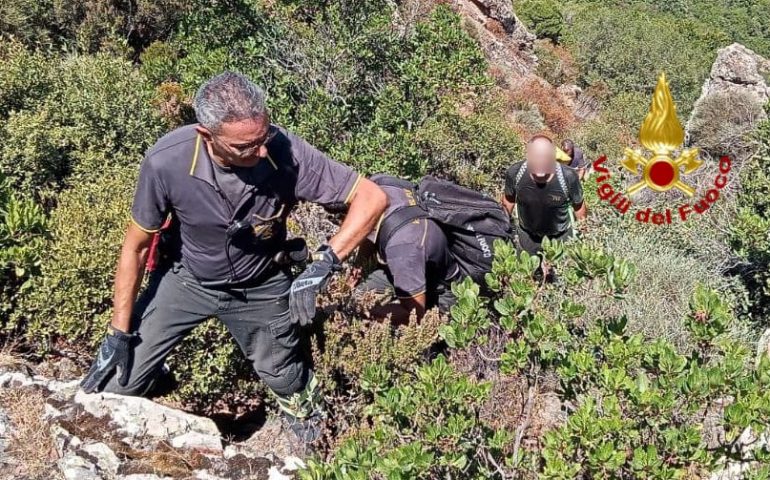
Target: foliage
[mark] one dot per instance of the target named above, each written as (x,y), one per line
(627,48)
(543,17)
(90,110)
(90,25)
(749,230)
(636,406)
(22,235)
(722,122)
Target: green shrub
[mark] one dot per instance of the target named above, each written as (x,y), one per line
(627,48)
(748,232)
(71,297)
(635,406)
(543,17)
(721,123)
(91,25)
(95,110)
(23,226)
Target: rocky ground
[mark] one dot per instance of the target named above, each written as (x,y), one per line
(50,429)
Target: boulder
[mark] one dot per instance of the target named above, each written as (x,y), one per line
(504,39)
(139,417)
(731,103)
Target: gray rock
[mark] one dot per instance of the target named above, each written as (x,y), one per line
(5,431)
(65,441)
(138,417)
(198,441)
(504,39)
(731,101)
(75,467)
(106,460)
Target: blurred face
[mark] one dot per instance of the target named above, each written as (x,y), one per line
(541,160)
(242,143)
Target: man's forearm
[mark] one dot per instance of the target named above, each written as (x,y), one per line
(365,210)
(127,281)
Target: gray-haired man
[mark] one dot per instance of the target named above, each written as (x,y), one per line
(231,182)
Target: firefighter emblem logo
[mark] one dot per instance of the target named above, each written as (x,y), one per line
(661,135)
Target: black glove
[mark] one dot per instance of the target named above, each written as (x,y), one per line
(306,287)
(115,352)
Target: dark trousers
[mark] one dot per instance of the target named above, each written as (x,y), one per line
(439,295)
(257,317)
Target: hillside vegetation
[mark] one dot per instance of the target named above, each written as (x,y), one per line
(640,364)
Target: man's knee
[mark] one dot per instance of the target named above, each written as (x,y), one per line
(285,381)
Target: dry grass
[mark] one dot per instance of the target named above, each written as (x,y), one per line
(558,117)
(31,448)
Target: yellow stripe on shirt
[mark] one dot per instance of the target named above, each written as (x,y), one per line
(195,155)
(353,190)
(145,230)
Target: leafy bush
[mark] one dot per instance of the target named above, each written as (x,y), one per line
(90,25)
(626,48)
(23,226)
(72,296)
(749,230)
(543,17)
(721,123)
(637,407)
(94,109)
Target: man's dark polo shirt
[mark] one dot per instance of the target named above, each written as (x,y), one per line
(543,209)
(177,176)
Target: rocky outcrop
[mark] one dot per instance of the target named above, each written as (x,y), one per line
(731,103)
(738,68)
(506,42)
(107,436)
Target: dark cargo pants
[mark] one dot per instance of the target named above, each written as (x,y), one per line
(257,317)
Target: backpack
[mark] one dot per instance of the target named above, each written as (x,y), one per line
(470,220)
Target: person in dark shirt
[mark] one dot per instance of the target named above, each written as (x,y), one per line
(542,192)
(230,183)
(415,266)
(577,160)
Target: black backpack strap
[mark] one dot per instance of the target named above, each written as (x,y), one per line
(562,181)
(397,219)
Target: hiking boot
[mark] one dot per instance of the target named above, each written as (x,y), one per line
(307,431)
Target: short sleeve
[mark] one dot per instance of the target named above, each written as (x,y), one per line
(150,202)
(406,258)
(320,179)
(510,181)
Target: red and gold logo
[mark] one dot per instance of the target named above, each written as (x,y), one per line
(661,134)
(661,168)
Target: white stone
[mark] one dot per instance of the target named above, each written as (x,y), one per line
(142,476)
(106,459)
(64,440)
(5,428)
(292,463)
(198,441)
(275,474)
(138,417)
(205,475)
(231,451)
(74,467)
